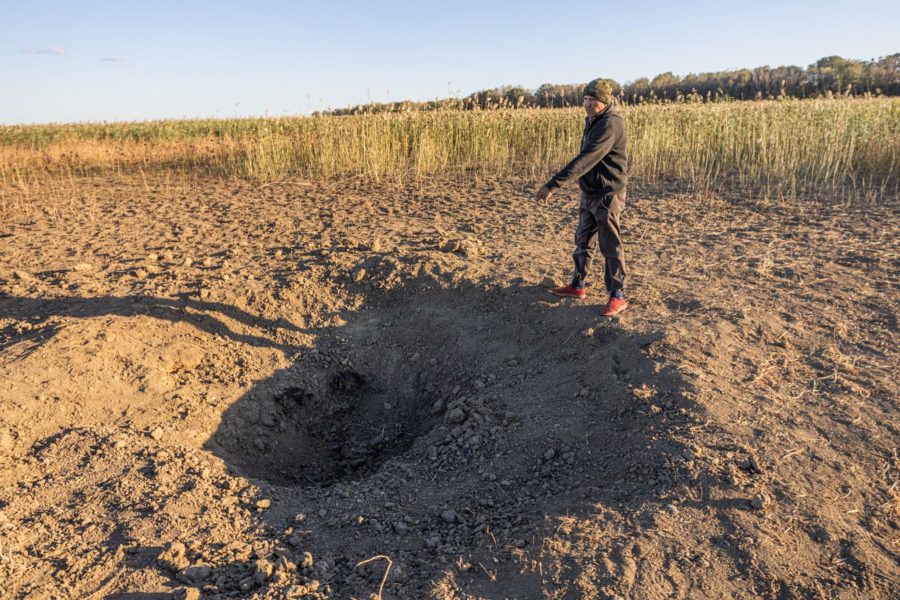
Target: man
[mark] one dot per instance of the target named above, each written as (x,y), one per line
(600,169)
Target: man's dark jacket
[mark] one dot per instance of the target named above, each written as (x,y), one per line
(601,166)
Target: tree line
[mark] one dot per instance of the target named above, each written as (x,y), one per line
(829,76)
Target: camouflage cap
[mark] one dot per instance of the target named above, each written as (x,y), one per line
(599,89)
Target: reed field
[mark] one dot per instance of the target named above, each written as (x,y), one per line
(775,148)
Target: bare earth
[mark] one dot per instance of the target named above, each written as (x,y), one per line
(230,390)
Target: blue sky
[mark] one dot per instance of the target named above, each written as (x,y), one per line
(133,60)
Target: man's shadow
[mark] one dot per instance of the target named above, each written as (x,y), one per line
(467,422)
(461,422)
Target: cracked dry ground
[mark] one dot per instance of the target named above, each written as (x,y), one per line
(219,389)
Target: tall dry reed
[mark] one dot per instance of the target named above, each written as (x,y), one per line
(791,147)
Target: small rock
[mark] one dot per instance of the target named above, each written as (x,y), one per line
(296,591)
(548,283)
(759,501)
(173,557)
(299,517)
(284,565)
(549,454)
(753,466)
(655,409)
(469,249)
(358,275)
(186,593)
(449,516)
(401,528)
(262,570)
(195,574)
(267,419)
(456,416)
(589,332)
(84,267)
(263,504)
(156,433)
(23,276)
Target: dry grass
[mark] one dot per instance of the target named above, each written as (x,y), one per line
(849,147)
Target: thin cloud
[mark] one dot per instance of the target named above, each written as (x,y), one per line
(46,51)
(112,59)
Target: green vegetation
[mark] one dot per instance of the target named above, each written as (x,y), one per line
(849,147)
(828,77)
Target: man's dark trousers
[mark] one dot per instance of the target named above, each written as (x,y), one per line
(601,216)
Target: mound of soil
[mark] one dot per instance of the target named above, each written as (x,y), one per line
(213,389)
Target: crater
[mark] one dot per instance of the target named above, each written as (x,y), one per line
(344,428)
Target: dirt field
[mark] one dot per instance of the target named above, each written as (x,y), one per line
(230,390)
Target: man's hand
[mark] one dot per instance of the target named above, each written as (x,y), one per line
(543,193)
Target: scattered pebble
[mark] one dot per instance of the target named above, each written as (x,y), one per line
(451,245)
(173,557)
(456,416)
(186,593)
(760,501)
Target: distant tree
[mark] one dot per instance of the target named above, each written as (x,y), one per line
(829,75)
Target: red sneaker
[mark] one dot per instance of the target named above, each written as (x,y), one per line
(614,307)
(569,292)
